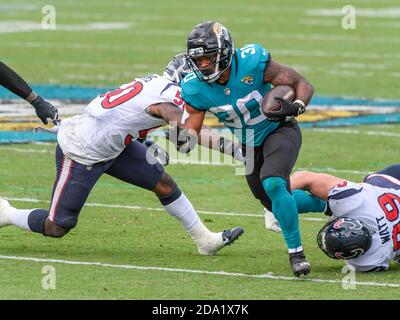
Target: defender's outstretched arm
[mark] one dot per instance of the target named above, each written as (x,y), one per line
(14,82)
(172,114)
(319,184)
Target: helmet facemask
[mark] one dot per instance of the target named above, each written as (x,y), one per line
(177,68)
(211,41)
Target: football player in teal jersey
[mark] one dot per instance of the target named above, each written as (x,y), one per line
(231,83)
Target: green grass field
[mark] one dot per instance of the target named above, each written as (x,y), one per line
(149,238)
(363,62)
(120,252)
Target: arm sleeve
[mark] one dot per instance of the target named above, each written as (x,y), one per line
(13,82)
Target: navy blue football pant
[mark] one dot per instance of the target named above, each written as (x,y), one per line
(75,181)
(393,171)
(380,181)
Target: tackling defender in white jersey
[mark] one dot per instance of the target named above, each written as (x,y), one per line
(115,119)
(104,140)
(365,225)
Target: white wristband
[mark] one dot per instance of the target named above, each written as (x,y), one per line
(300,102)
(302,107)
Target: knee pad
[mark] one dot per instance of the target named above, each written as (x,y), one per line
(60,233)
(56,231)
(274,185)
(68,216)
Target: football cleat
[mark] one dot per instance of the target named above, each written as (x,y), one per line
(5,211)
(229,236)
(270,221)
(299,263)
(218,241)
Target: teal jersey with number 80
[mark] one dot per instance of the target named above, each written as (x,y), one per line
(237,104)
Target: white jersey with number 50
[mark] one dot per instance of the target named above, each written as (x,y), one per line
(376,202)
(112,120)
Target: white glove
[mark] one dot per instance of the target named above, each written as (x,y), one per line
(270,221)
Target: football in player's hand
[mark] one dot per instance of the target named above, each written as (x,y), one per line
(270,104)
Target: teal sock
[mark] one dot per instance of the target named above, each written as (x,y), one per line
(285,210)
(306,202)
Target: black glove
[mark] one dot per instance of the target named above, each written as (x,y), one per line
(328,210)
(159,153)
(288,110)
(228,147)
(45,110)
(184,141)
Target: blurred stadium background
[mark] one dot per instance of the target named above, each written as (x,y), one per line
(350,129)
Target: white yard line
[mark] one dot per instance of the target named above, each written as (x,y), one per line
(172,161)
(22,150)
(352,131)
(16,26)
(18,7)
(319,22)
(393,57)
(268,275)
(361,12)
(196,162)
(118,206)
(88,46)
(326,37)
(326,22)
(363,66)
(344,54)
